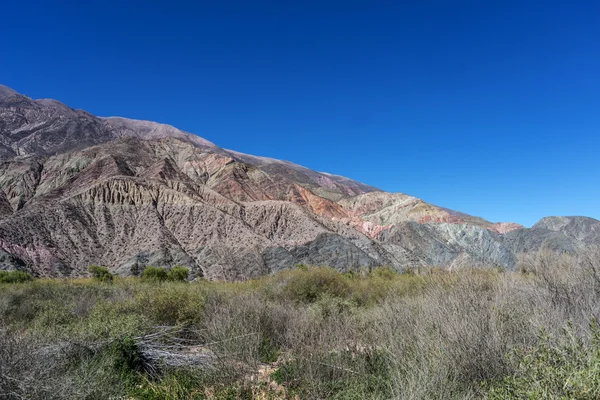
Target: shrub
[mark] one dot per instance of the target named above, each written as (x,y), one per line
(308,285)
(470,333)
(192,385)
(567,368)
(154,274)
(112,318)
(65,371)
(348,374)
(268,352)
(302,267)
(171,304)
(127,356)
(14,277)
(174,385)
(100,274)
(387,272)
(178,274)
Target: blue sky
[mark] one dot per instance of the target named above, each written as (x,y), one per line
(487,107)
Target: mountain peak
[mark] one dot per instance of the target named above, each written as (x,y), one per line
(149,130)
(6,92)
(558,222)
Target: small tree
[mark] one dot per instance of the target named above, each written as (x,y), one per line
(154,274)
(100,274)
(178,274)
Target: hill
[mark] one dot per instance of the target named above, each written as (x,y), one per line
(76,190)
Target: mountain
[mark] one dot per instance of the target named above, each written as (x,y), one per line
(76,190)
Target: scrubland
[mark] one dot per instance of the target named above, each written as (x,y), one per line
(310,333)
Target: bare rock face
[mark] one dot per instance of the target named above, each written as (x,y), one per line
(153,131)
(44,127)
(5,206)
(386,209)
(77,190)
(584,229)
(505,227)
(6,92)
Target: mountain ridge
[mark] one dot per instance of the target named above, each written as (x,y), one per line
(76,190)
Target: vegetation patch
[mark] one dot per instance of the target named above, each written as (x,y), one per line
(154,274)
(100,274)
(308,332)
(14,277)
(563,367)
(178,274)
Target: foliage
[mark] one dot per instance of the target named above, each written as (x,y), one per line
(189,385)
(173,386)
(348,374)
(387,272)
(154,274)
(307,285)
(172,304)
(100,274)
(268,352)
(556,368)
(178,274)
(14,276)
(127,356)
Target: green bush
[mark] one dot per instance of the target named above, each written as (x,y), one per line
(154,274)
(173,386)
(111,318)
(268,352)
(385,272)
(14,277)
(178,274)
(171,304)
(191,385)
(127,356)
(310,284)
(100,274)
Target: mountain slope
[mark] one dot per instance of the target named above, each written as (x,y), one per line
(76,190)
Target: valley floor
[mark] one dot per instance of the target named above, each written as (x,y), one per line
(310,333)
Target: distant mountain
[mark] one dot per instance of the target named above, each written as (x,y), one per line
(76,190)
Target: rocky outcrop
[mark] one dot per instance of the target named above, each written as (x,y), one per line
(445,244)
(5,206)
(384,209)
(584,229)
(505,227)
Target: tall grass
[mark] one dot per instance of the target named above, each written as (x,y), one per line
(310,333)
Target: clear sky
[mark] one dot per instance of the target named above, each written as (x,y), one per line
(487,107)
